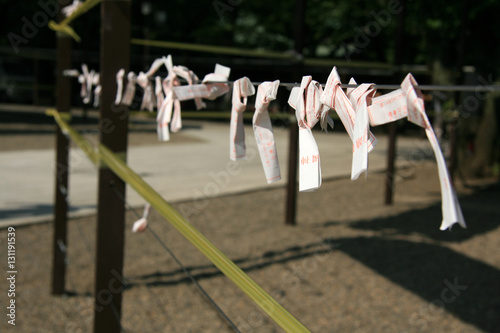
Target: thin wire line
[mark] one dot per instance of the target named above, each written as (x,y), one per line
(433,87)
(165,247)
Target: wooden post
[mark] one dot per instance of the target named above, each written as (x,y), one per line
(115,54)
(391,156)
(293,145)
(63,104)
(391,146)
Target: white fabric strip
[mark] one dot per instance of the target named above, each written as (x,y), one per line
(242,88)
(263,130)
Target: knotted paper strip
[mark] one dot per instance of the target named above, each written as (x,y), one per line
(129,94)
(242,88)
(360,98)
(408,101)
(308,111)
(141,224)
(148,98)
(335,98)
(263,130)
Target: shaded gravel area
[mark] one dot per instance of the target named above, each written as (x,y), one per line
(350,265)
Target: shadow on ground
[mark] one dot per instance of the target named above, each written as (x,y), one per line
(449,281)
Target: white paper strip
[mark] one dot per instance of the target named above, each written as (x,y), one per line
(242,88)
(129,94)
(387,108)
(119,86)
(452,213)
(263,130)
(141,224)
(308,111)
(360,97)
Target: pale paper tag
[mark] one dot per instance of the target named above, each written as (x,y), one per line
(360,144)
(334,97)
(141,224)
(148,100)
(309,163)
(263,130)
(387,108)
(308,111)
(119,85)
(360,97)
(129,94)
(452,213)
(242,88)
(97,90)
(159,92)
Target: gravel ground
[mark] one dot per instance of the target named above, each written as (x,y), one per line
(350,265)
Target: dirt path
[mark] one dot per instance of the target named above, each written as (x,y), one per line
(350,265)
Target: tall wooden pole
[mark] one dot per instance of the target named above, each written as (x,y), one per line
(291,189)
(63,103)
(391,147)
(115,54)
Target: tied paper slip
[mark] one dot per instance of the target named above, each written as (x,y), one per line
(129,94)
(360,97)
(263,130)
(242,88)
(452,213)
(335,98)
(308,111)
(212,86)
(191,79)
(397,105)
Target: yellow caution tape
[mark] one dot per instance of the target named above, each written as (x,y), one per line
(64,27)
(268,304)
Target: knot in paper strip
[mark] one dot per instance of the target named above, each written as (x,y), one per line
(242,88)
(263,130)
(334,97)
(212,86)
